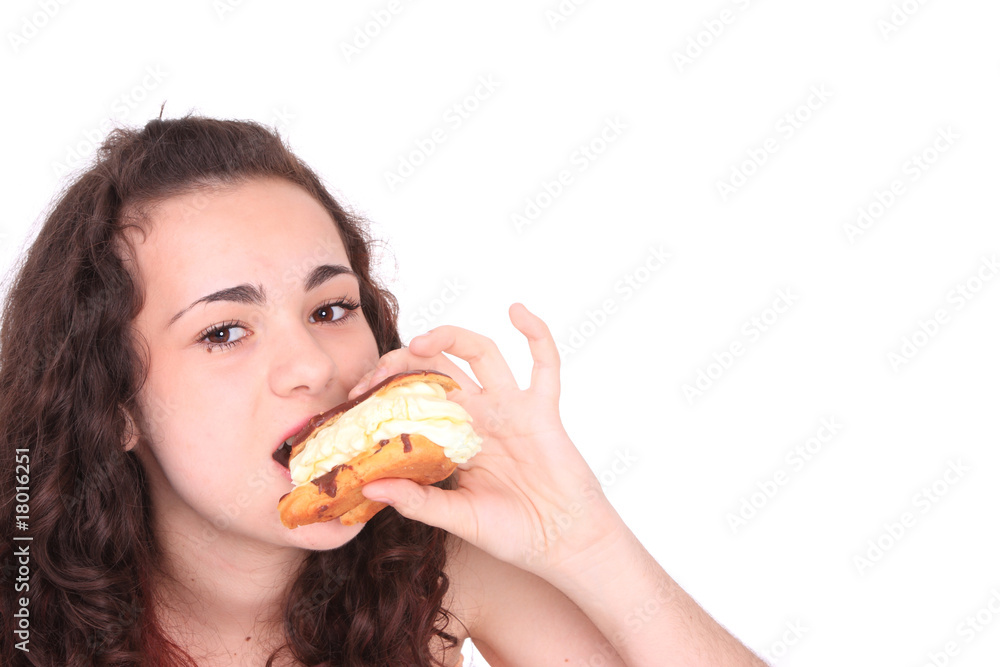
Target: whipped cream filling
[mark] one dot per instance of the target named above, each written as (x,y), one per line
(416,408)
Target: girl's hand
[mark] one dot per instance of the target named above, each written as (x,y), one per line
(528,497)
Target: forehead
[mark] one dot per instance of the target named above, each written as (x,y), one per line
(267,231)
(262,201)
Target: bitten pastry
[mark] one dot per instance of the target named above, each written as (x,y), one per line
(402,427)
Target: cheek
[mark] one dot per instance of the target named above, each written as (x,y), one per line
(203,460)
(364,355)
(192,423)
(160,410)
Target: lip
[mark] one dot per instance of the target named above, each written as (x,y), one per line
(288,434)
(292,431)
(284,472)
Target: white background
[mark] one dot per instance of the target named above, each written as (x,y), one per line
(683,465)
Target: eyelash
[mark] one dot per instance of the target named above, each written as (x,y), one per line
(349,305)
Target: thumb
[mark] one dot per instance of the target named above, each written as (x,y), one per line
(427,504)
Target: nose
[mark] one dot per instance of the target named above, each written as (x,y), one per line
(300,363)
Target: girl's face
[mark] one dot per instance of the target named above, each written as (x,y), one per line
(252,324)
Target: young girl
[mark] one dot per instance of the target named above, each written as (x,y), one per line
(188,304)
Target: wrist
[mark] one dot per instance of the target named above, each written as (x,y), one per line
(590,545)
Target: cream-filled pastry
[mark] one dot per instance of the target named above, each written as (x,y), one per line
(402,427)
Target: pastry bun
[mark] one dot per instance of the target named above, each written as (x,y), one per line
(335,492)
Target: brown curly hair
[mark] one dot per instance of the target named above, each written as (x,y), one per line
(70,374)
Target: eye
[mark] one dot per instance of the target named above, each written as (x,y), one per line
(335,312)
(223,336)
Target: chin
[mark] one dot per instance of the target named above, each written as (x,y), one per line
(322,536)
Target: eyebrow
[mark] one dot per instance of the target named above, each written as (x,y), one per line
(256,295)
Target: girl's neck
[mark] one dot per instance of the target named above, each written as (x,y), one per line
(223,599)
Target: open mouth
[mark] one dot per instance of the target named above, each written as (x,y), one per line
(282,454)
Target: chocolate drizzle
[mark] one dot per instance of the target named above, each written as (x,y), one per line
(328,483)
(320,419)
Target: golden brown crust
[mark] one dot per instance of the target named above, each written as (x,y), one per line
(423,461)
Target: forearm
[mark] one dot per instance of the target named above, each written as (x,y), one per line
(644,614)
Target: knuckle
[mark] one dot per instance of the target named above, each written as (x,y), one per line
(485,342)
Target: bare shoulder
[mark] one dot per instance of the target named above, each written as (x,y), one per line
(515,617)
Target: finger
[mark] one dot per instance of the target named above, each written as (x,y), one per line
(427,504)
(402,360)
(544,352)
(480,352)
(378,372)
